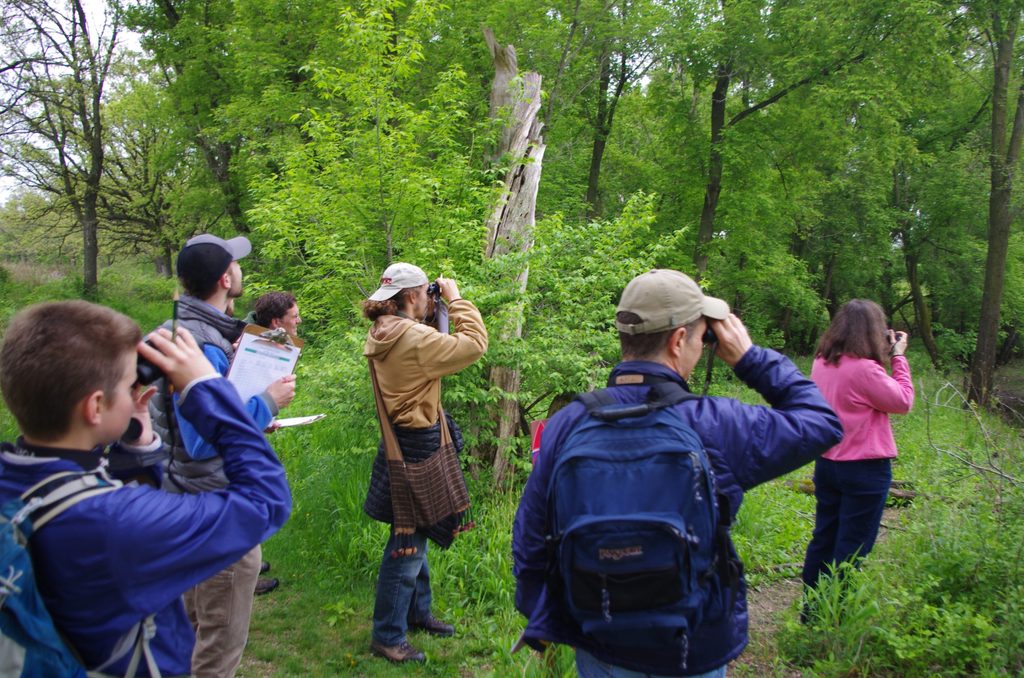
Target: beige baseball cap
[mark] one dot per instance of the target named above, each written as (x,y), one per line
(398,276)
(665,299)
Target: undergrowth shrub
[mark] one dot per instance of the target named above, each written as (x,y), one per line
(940,595)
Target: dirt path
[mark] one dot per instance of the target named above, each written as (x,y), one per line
(766,605)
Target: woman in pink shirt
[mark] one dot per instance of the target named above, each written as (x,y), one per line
(851,481)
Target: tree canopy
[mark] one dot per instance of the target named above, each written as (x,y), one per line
(792,155)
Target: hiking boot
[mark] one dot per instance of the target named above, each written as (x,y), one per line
(399,654)
(264,567)
(433,626)
(265,585)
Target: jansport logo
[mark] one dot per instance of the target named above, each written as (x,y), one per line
(619,554)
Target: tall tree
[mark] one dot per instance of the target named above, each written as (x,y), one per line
(627,50)
(148,200)
(1003,22)
(54,78)
(759,46)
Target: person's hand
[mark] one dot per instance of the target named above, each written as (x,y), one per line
(733,339)
(272,426)
(181,360)
(898,340)
(282,391)
(141,395)
(449,290)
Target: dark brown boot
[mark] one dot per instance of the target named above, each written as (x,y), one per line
(401,653)
(433,626)
(265,585)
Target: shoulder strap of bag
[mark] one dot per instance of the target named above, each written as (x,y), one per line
(57,493)
(663,393)
(143,633)
(391,448)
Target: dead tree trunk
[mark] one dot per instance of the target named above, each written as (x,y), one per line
(510,226)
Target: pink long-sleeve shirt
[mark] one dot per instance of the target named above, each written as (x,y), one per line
(864,395)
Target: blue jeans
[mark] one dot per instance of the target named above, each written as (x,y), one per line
(850,500)
(589,666)
(403,591)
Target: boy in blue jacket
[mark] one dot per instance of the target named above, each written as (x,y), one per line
(662,318)
(68,374)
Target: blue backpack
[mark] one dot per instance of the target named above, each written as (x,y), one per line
(30,645)
(635,520)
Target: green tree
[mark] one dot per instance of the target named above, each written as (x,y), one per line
(54,78)
(1000,22)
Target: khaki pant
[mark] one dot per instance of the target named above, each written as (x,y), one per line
(219,609)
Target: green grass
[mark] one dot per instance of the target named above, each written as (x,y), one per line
(941,594)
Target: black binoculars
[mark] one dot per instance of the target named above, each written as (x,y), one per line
(146,372)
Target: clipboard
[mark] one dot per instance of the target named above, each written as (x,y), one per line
(260,362)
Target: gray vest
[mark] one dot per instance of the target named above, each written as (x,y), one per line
(184,474)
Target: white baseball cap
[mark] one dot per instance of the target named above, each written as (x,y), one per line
(396,277)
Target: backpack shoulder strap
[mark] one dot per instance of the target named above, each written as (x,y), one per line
(663,393)
(592,400)
(668,393)
(59,492)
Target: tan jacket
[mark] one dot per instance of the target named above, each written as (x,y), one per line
(411,358)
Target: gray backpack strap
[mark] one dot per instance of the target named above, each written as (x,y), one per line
(67,494)
(71,488)
(143,633)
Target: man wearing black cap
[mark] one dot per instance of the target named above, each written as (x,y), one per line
(221,606)
(662,318)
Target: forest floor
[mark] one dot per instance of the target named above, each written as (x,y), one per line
(1009,390)
(768,606)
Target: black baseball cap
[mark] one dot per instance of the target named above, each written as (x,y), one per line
(206,257)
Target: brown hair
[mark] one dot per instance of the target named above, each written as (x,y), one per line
(858,329)
(272,306)
(646,346)
(375,309)
(54,354)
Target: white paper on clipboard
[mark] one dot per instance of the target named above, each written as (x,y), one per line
(298,421)
(258,362)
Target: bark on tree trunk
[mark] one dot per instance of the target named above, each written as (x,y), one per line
(714,187)
(600,137)
(1003,159)
(90,250)
(162,263)
(1009,345)
(510,226)
(922,313)
(984,359)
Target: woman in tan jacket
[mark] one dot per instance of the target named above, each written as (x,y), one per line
(409,358)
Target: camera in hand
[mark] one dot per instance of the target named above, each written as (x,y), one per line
(709,336)
(146,372)
(433,290)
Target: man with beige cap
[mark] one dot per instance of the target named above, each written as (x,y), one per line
(662,319)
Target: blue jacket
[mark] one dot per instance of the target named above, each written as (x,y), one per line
(259,407)
(111,560)
(747,445)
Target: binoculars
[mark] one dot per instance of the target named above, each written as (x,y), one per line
(146,372)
